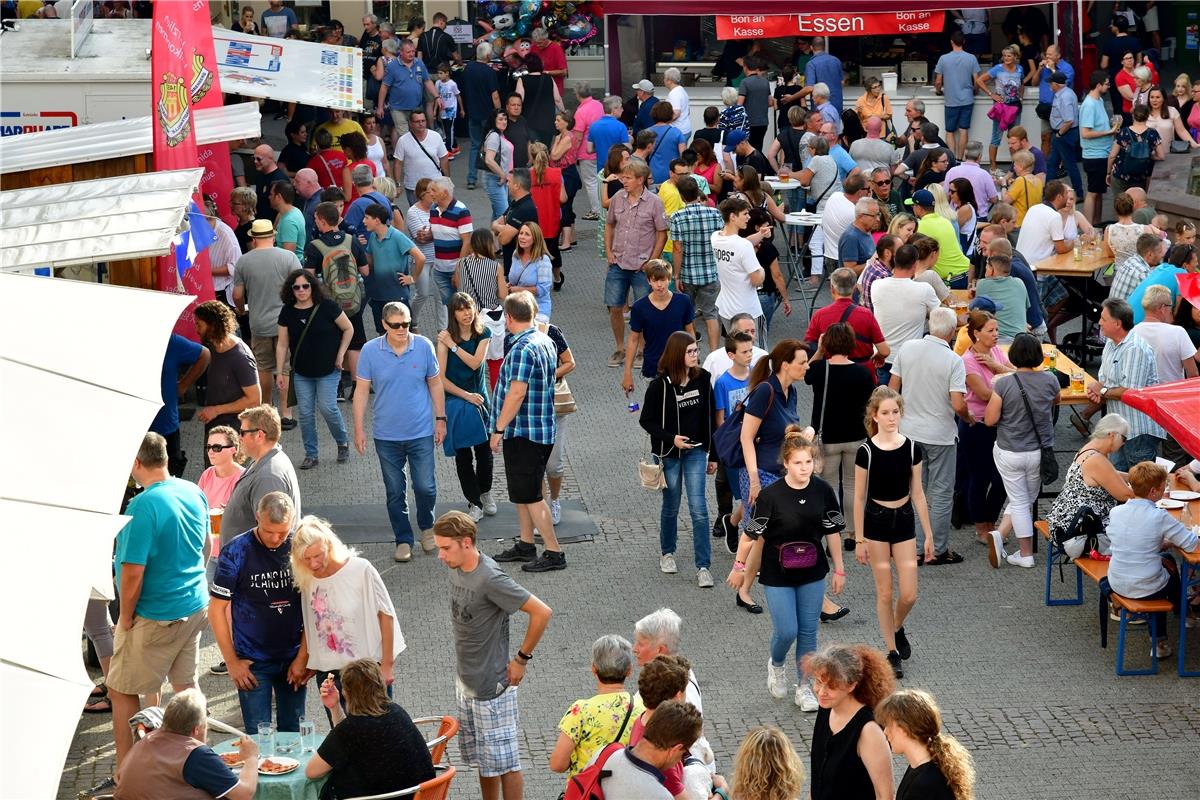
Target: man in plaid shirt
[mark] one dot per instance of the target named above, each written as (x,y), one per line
(1134,269)
(691,229)
(522,419)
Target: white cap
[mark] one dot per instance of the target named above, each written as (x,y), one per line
(644,85)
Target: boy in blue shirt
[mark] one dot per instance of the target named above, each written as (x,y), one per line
(1007,293)
(730,389)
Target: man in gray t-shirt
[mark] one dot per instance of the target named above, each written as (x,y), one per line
(272,471)
(954,76)
(755,95)
(482,598)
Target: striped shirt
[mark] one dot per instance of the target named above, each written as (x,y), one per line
(1130,365)
(693,226)
(532,359)
(448,227)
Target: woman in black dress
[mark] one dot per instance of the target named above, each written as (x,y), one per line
(540,99)
(850,755)
(939,767)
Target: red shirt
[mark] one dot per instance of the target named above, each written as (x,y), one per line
(553,58)
(545,199)
(866,328)
(328,164)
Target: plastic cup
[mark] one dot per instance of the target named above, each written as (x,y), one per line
(214,516)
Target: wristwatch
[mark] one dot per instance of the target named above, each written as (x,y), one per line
(439,419)
(1103,391)
(454,349)
(498,431)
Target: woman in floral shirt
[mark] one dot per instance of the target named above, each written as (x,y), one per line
(603,718)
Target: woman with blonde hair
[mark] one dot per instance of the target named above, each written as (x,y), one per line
(939,767)
(348,613)
(766,766)
(531,269)
(850,755)
(903,226)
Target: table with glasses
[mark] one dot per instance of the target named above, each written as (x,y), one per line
(290,786)
(1077,277)
(1074,394)
(802,219)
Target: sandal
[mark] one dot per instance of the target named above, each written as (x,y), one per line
(948,557)
(98,705)
(99,690)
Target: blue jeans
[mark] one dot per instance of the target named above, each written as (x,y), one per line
(497,192)
(795,614)
(475,131)
(619,282)
(1136,450)
(445,292)
(418,453)
(688,469)
(256,702)
(319,394)
(769,302)
(1065,148)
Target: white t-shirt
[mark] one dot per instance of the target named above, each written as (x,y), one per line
(1041,228)
(341,617)
(736,262)
(718,362)
(901,306)
(835,219)
(630,778)
(417,164)
(678,98)
(1171,346)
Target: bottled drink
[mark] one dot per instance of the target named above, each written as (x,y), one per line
(1053,359)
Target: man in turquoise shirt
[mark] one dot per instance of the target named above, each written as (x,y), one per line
(1165,274)
(161,583)
(1096,139)
(291,233)
(394,262)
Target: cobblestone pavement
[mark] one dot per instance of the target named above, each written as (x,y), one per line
(1025,687)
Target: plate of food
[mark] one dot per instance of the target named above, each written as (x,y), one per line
(1183,494)
(277,765)
(1168,503)
(233,759)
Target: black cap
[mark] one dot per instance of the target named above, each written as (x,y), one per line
(1058,77)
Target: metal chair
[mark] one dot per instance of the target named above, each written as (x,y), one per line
(433,789)
(447,729)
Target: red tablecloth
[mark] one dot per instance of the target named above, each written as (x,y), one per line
(1175,406)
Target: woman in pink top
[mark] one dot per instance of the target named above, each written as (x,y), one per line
(217,481)
(983,360)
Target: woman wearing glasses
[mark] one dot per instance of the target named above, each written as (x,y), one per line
(217,481)
(317,333)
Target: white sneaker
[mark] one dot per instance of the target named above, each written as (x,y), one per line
(555,511)
(777,680)
(474,512)
(1163,650)
(1018,560)
(666,564)
(489,505)
(996,554)
(704,578)
(805,699)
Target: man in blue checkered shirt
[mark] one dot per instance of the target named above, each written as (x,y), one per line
(691,230)
(522,420)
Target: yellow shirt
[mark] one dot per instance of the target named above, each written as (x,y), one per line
(337,130)
(672,202)
(950,262)
(1025,193)
(594,722)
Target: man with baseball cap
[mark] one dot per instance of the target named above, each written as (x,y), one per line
(738,142)
(644,91)
(951,265)
(1064,120)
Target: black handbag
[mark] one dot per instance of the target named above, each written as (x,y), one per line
(1049,460)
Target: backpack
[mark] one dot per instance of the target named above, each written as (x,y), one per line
(1137,156)
(339,273)
(727,439)
(586,784)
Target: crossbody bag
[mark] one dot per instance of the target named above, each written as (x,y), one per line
(291,393)
(1049,469)
(436,165)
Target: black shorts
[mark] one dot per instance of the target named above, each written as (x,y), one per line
(360,335)
(1096,170)
(525,469)
(891,525)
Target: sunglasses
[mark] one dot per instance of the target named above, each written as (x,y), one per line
(248,431)
(217,448)
(397,325)
(301,287)
(882,183)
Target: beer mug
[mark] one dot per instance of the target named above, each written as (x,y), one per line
(214,516)
(1077,381)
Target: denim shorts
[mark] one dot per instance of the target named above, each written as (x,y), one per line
(619,282)
(958,118)
(891,525)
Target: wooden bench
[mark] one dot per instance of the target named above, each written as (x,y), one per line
(1129,610)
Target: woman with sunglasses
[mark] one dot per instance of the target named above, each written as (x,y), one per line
(317,333)
(225,453)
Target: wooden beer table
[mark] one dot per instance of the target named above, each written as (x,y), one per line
(1077,277)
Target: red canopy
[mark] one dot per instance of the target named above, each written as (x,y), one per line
(1175,406)
(703,7)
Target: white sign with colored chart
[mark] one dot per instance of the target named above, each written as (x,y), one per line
(326,76)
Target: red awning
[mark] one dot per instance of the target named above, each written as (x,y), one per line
(1175,406)
(713,7)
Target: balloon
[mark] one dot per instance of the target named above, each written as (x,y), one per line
(578,29)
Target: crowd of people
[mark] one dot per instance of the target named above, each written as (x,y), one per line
(929,411)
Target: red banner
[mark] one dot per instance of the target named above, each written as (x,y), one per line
(767,26)
(181,75)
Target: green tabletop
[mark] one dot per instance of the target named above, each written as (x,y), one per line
(292,786)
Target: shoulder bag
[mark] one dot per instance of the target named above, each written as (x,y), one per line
(564,399)
(1049,461)
(811,205)
(436,165)
(650,471)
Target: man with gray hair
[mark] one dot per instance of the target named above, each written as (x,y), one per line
(589,111)
(364,183)
(554,59)
(677,96)
(933,381)
(981,182)
(176,761)
(481,99)
(256,617)
(450,225)
(868,336)
(856,246)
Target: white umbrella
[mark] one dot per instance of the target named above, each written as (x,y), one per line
(80,368)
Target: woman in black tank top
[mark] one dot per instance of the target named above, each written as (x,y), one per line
(887,495)
(850,759)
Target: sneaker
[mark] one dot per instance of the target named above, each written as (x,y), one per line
(704,578)
(731,533)
(104,788)
(521,551)
(1018,560)
(718,531)
(617,359)
(777,680)
(308,463)
(343,453)
(1115,616)
(555,511)
(427,542)
(996,554)
(403,553)
(451,155)
(591,216)
(474,512)
(489,505)
(287,423)
(1162,651)
(548,562)
(220,668)
(666,564)
(894,659)
(902,645)
(805,699)
(470,186)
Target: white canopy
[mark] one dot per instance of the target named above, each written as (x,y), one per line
(109,219)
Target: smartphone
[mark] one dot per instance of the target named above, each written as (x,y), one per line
(691,442)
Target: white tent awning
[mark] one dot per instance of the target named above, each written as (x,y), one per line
(125,137)
(109,219)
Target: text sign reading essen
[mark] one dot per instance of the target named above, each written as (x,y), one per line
(765,26)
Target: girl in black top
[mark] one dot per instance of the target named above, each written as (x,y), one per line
(770,294)
(887,491)
(317,333)
(795,520)
(678,412)
(939,768)
(850,755)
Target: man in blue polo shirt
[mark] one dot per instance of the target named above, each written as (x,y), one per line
(394,262)
(607,131)
(824,68)
(409,419)
(262,649)
(405,84)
